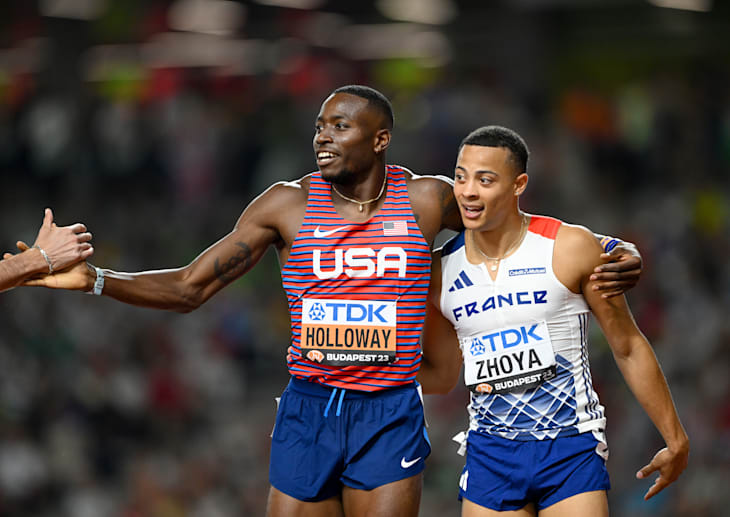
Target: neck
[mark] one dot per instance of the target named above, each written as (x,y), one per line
(503,239)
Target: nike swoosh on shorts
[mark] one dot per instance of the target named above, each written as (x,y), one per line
(326,233)
(408,464)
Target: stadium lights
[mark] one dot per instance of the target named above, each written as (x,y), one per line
(432,12)
(72,9)
(687,5)
(217,17)
(293,4)
(397,40)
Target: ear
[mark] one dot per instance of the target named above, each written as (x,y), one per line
(382,140)
(520,183)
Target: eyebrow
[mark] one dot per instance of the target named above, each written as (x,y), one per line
(333,117)
(486,171)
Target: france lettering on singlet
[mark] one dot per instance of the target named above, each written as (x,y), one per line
(519,389)
(357,292)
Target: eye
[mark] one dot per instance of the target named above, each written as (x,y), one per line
(458,176)
(317,128)
(341,125)
(486,180)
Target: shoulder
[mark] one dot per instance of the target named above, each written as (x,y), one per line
(437,185)
(432,200)
(280,207)
(576,238)
(576,253)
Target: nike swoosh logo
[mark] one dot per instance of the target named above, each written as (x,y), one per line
(407,464)
(326,233)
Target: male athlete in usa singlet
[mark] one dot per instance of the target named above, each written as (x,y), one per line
(356,296)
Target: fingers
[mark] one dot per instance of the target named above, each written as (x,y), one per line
(647,469)
(47,218)
(658,486)
(87,252)
(77,228)
(20,245)
(619,263)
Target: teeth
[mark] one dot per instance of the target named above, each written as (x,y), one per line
(324,155)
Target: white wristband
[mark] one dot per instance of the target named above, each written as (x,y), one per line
(99,284)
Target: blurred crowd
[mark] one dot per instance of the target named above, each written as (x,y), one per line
(108,410)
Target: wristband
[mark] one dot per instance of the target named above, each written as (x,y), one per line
(46,258)
(99,284)
(609,243)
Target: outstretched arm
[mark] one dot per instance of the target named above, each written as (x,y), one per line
(183,289)
(634,357)
(55,248)
(441,362)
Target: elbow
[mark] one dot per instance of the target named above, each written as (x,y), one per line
(188,301)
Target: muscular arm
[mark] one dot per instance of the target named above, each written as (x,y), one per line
(441,362)
(183,289)
(632,352)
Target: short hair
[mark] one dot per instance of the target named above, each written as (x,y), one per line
(498,136)
(375,100)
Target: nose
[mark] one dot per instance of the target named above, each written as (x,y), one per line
(468,189)
(322,137)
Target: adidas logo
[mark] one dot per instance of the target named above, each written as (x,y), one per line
(461,282)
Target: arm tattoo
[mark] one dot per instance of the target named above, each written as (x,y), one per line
(234,266)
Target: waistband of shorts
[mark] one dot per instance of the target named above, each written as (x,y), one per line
(320,390)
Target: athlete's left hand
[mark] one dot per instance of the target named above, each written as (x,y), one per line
(620,273)
(669,464)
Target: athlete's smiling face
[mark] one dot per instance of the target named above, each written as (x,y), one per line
(486,185)
(348,137)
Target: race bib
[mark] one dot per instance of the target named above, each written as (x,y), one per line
(508,359)
(342,332)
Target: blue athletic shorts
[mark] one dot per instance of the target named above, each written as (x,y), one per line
(326,437)
(503,474)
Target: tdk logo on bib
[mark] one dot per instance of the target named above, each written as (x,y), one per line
(504,339)
(343,312)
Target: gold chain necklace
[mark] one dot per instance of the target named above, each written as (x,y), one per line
(496,260)
(362,203)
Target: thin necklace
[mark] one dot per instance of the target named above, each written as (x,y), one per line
(362,203)
(496,260)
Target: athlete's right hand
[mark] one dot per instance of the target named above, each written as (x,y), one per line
(77,277)
(289,357)
(669,464)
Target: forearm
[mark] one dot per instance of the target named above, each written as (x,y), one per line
(648,384)
(14,270)
(167,289)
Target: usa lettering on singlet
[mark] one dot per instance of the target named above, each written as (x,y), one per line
(524,341)
(357,291)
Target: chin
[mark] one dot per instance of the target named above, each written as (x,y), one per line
(338,177)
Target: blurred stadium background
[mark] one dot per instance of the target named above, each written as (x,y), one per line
(156,122)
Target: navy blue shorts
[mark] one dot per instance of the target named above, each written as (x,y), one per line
(326,437)
(503,474)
